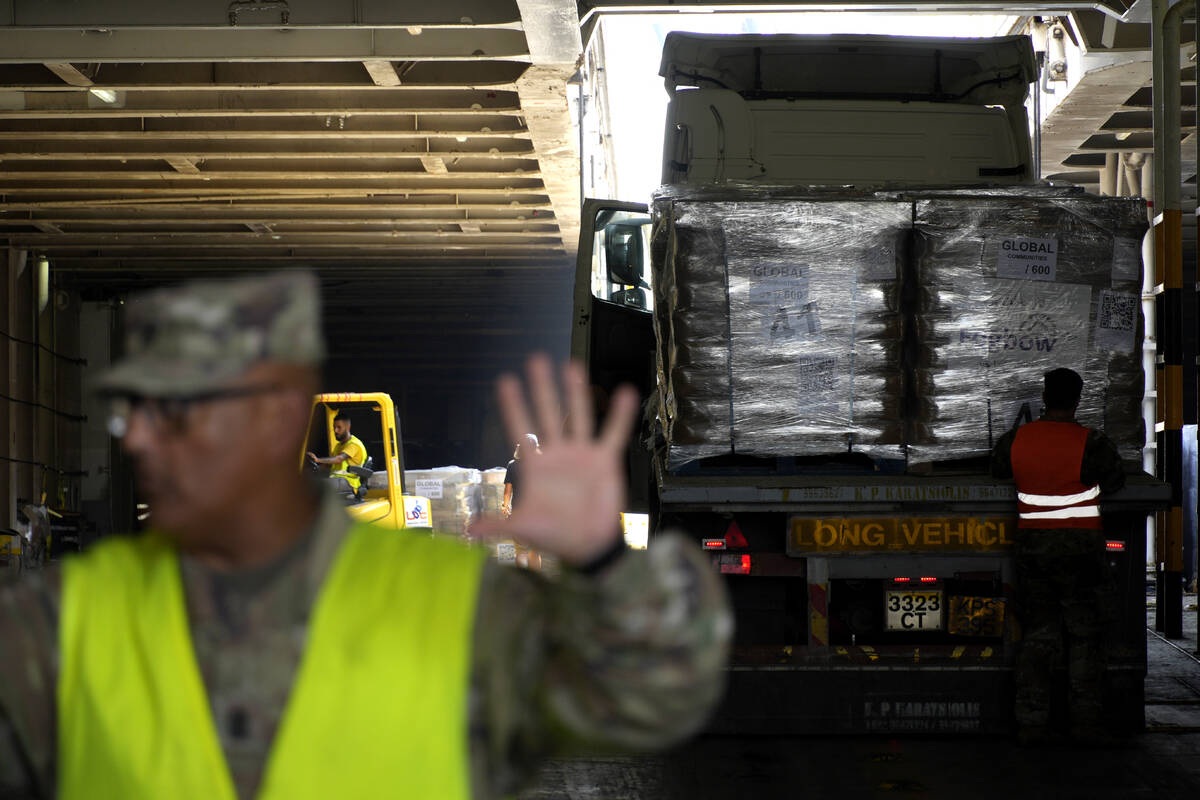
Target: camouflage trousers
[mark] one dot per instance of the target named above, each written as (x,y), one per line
(1064,590)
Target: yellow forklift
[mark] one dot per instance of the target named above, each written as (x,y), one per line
(380,496)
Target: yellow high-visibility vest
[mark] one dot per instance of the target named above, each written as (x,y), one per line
(378,707)
(339,470)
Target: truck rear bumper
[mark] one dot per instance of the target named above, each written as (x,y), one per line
(854,698)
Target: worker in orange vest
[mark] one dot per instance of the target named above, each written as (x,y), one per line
(1060,468)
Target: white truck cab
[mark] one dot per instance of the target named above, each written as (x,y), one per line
(846,109)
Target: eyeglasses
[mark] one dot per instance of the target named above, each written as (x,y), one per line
(170,414)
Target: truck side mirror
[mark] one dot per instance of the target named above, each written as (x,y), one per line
(633,298)
(623,254)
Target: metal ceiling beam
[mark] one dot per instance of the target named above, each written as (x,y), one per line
(121,181)
(589,8)
(275,238)
(261,112)
(225,135)
(299,253)
(266,76)
(1107,81)
(164,227)
(88,197)
(1143,98)
(263,87)
(337,131)
(186,169)
(343,101)
(183,165)
(387,262)
(69,74)
(109,44)
(555,48)
(382,72)
(22,152)
(117,14)
(330,205)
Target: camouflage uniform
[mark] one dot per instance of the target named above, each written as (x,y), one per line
(1065,590)
(628,655)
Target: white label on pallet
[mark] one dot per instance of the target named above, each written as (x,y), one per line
(1127,259)
(430,487)
(1028,259)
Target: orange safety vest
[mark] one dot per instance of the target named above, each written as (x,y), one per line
(1046,459)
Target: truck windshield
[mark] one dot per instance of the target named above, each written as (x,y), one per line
(620,258)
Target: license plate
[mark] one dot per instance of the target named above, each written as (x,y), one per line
(506,553)
(976,616)
(913,611)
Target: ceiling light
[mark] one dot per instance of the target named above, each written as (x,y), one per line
(105,95)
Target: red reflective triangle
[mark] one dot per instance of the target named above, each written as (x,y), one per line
(734,538)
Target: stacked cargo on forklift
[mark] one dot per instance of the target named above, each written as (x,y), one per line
(898,325)
(453,494)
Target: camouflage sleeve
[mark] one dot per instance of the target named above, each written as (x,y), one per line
(1102,464)
(28,680)
(630,658)
(1002,455)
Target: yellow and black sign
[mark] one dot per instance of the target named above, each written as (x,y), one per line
(976,616)
(809,535)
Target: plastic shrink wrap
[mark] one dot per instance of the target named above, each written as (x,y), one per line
(454,496)
(1012,285)
(491,491)
(778,322)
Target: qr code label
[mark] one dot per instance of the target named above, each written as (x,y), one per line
(1117,311)
(817,374)
(1116,320)
(506,553)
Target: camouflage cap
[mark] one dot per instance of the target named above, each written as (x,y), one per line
(200,336)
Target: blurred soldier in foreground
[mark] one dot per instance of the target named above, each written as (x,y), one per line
(259,645)
(1060,468)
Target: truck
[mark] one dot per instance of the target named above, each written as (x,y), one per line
(380,497)
(848,287)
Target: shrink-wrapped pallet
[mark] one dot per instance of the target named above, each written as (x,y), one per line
(1012,285)
(779,324)
(491,492)
(454,497)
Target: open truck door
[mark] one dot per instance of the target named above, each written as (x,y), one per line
(612,332)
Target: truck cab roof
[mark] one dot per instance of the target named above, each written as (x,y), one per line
(993,71)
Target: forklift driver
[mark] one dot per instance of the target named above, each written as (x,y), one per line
(348,452)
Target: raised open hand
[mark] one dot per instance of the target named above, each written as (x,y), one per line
(573,493)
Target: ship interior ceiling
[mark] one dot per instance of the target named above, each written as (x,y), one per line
(423,159)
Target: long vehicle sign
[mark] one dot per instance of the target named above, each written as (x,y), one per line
(812,535)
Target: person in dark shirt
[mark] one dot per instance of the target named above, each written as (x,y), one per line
(512,475)
(1060,468)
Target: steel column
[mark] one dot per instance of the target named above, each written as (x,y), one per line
(1168,291)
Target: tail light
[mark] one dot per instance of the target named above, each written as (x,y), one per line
(1114,546)
(733,540)
(733,563)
